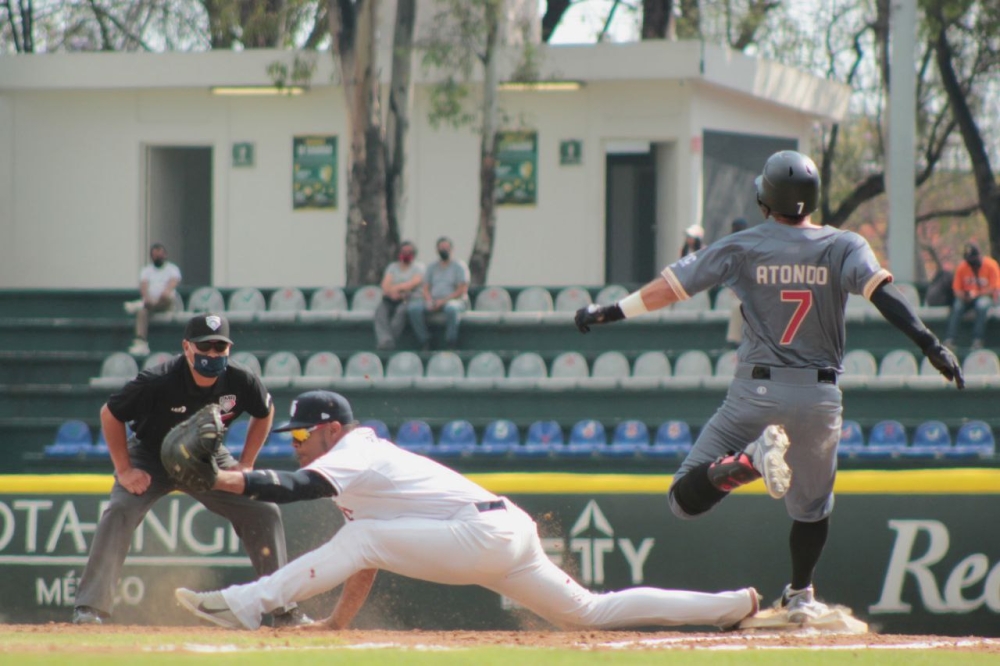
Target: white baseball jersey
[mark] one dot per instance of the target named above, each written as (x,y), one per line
(416,518)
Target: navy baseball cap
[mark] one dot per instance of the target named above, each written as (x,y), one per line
(205,327)
(316,407)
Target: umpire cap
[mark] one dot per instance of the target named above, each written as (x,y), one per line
(789,184)
(205,327)
(316,407)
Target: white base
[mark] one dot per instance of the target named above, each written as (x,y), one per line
(839,619)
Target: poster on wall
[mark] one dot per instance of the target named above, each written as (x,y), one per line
(314,172)
(517,168)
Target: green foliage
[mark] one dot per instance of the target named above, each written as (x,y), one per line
(298,73)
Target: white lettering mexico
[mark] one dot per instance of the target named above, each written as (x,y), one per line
(969,572)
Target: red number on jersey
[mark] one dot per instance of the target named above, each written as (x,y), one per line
(804,298)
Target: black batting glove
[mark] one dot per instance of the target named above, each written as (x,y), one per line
(946,363)
(597,314)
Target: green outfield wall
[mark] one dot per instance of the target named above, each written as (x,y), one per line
(910,551)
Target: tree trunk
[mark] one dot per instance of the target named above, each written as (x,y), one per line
(482,251)
(986,184)
(398,117)
(554,10)
(689,22)
(352,26)
(657,18)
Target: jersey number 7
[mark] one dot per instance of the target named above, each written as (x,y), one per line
(804,300)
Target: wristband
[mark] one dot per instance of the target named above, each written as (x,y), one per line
(633,305)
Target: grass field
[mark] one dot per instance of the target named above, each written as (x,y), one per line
(58,645)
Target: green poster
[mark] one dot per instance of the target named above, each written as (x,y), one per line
(314,172)
(517,168)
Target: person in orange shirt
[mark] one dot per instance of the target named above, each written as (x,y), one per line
(976,285)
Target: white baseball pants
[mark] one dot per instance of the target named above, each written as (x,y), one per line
(498,550)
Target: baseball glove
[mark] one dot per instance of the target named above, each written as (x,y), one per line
(188,450)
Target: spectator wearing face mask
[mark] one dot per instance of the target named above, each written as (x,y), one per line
(157,286)
(446,289)
(976,286)
(401,278)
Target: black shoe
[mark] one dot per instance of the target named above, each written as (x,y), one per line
(88,615)
(292,618)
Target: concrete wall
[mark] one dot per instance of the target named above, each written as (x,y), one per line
(72,168)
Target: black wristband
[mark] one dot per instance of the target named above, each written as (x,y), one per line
(613,312)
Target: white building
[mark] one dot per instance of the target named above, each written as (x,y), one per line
(102,154)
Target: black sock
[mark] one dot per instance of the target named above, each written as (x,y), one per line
(695,494)
(806,541)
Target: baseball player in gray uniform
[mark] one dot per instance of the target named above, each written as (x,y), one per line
(793,278)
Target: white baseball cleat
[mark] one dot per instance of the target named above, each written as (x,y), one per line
(209,606)
(768,456)
(801,605)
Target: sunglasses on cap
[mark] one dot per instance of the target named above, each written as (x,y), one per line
(302,434)
(208,345)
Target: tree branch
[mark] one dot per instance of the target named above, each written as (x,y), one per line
(965,211)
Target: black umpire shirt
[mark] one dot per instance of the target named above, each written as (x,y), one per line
(163,396)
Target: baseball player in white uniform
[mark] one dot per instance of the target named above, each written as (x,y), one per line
(792,278)
(412,516)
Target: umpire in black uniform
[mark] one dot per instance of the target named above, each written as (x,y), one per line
(154,402)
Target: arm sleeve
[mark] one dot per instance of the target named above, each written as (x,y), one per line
(898,312)
(268,485)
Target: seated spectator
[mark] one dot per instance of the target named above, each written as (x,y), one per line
(157,285)
(976,286)
(400,280)
(446,288)
(693,237)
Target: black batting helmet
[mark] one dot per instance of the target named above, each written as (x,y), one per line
(789,184)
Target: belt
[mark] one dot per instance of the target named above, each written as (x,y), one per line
(787,375)
(495,505)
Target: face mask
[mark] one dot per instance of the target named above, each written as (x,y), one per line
(444,254)
(210,366)
(159,262)
(406,257)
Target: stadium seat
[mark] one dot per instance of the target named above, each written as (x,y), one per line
(691,369)
(898,363)
(176,314)
(541,439)
(724,300)
(363,368)
(981,366)
(205,299)
(859,308)
(852,440)
(326,304)
(974,438)
(248,361)
(931,439)
(673,438)
(485,369)
(611,294)
(415,436)
(380,428)
(859,368)
(534,299)
(525,371)
(280,368)
(457,438)
(571,299)
(725,366)
(155,359)
(652,364)
(366,299)
(587,437)
(278,446)
(321,369)
(609,369)
(236,436)
(499,438)
(909,292)
(117,369)
(629,438)
(886,439)
(697,304)
(493,299)
(404,369)
(244,304)
(445,365)
(73,439)
(569,369)
(285,304)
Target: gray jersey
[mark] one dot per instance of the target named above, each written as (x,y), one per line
(793,283)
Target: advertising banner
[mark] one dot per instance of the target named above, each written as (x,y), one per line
(314,172)
(517,168)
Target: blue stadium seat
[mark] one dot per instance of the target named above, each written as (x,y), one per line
(630,437)
(586,438)
(457,438)
(974,438)
(499,438)
(886,439)
(236,435)
(541,440)
(931,439)
(852,440)
(278,445)
(380,428)
(415,436)
(673,438)
(73,439)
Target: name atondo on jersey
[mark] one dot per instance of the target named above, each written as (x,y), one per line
(793,274)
